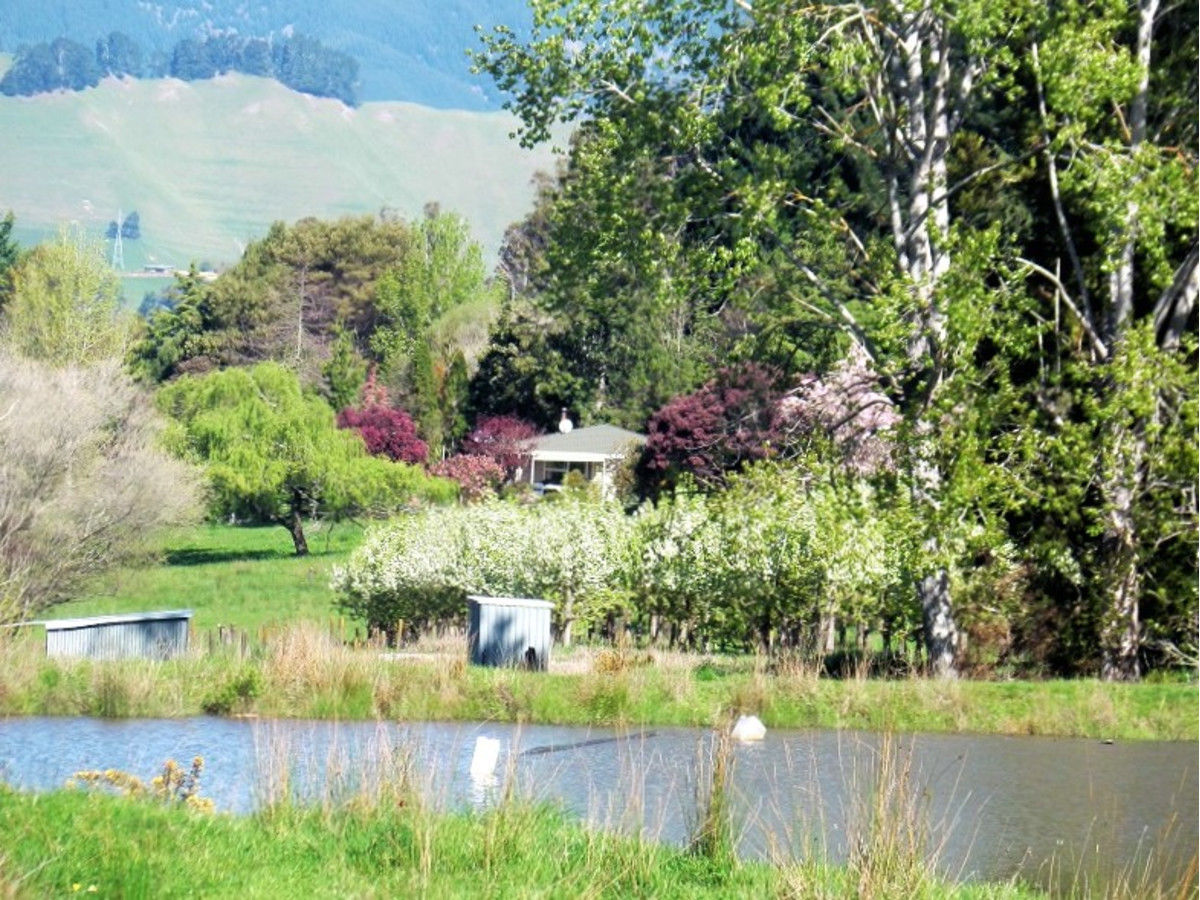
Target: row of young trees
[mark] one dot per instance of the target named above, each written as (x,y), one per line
(995,204)
(776,559)
(302,63)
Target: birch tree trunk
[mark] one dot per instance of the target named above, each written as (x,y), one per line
(919,103)
(1122,483)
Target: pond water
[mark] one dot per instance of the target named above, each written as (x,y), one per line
(1046,809)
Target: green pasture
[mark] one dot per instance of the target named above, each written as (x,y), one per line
(74,843)
(209,165)
(240,576)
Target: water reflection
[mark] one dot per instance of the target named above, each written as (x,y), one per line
(994,806)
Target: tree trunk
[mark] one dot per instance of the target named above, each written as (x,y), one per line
(940,629)
(568,619)
(1120,638)
(827,633)
(1120,631)
(295,525)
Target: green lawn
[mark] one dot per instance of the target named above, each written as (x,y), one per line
(240,576)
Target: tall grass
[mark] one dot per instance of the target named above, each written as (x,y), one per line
(305,670)
(371,825)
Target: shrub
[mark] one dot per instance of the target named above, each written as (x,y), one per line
(478,477)
(84,481)
(386,431)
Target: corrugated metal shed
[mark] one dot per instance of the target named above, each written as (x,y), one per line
(509,631)
(151,635)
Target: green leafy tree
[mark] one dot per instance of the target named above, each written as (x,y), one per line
(344,373)
(273,454)
(178,334)
(427,307)
(65,306)
(10,252)
(804,172)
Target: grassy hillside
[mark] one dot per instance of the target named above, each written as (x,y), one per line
(209,165)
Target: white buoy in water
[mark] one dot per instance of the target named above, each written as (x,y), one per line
(483,762)
(749,728)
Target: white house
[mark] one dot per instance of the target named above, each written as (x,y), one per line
(594,452)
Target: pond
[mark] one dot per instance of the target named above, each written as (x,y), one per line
(1049,810)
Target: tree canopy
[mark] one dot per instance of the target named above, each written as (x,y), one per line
(273,454)
(994,203)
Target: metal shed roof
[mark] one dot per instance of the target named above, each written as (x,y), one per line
(62,624)
(592,444)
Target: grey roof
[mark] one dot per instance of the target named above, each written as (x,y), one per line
(602,440)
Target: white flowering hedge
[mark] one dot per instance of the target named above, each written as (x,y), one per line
(418,569)
(774,554)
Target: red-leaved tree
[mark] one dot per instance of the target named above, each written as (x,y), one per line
(502,439)
(386,430)
(733,420)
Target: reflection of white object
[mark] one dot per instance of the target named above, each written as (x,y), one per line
(749,728)
(483,763)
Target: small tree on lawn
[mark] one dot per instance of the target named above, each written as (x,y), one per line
(273,454)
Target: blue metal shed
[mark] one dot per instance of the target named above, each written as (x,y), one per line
(509,631)
(150,635)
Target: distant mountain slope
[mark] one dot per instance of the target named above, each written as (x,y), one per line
(412,50)
(209,165)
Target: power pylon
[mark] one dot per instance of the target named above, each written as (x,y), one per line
(118,256)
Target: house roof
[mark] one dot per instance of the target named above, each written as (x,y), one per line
(592,444)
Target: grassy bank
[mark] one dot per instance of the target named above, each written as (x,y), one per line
(73,842)
(303,671)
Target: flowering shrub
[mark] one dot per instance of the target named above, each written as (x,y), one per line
(847,406)
(175,786)
(478,477)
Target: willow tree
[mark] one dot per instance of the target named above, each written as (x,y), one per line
(273,455)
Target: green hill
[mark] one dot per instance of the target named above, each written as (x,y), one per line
(209,165)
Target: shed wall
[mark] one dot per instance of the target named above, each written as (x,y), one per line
(150,639)
(509,632)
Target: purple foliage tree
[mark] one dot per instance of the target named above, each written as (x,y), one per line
(386,430)
(733,420)
(502,439)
